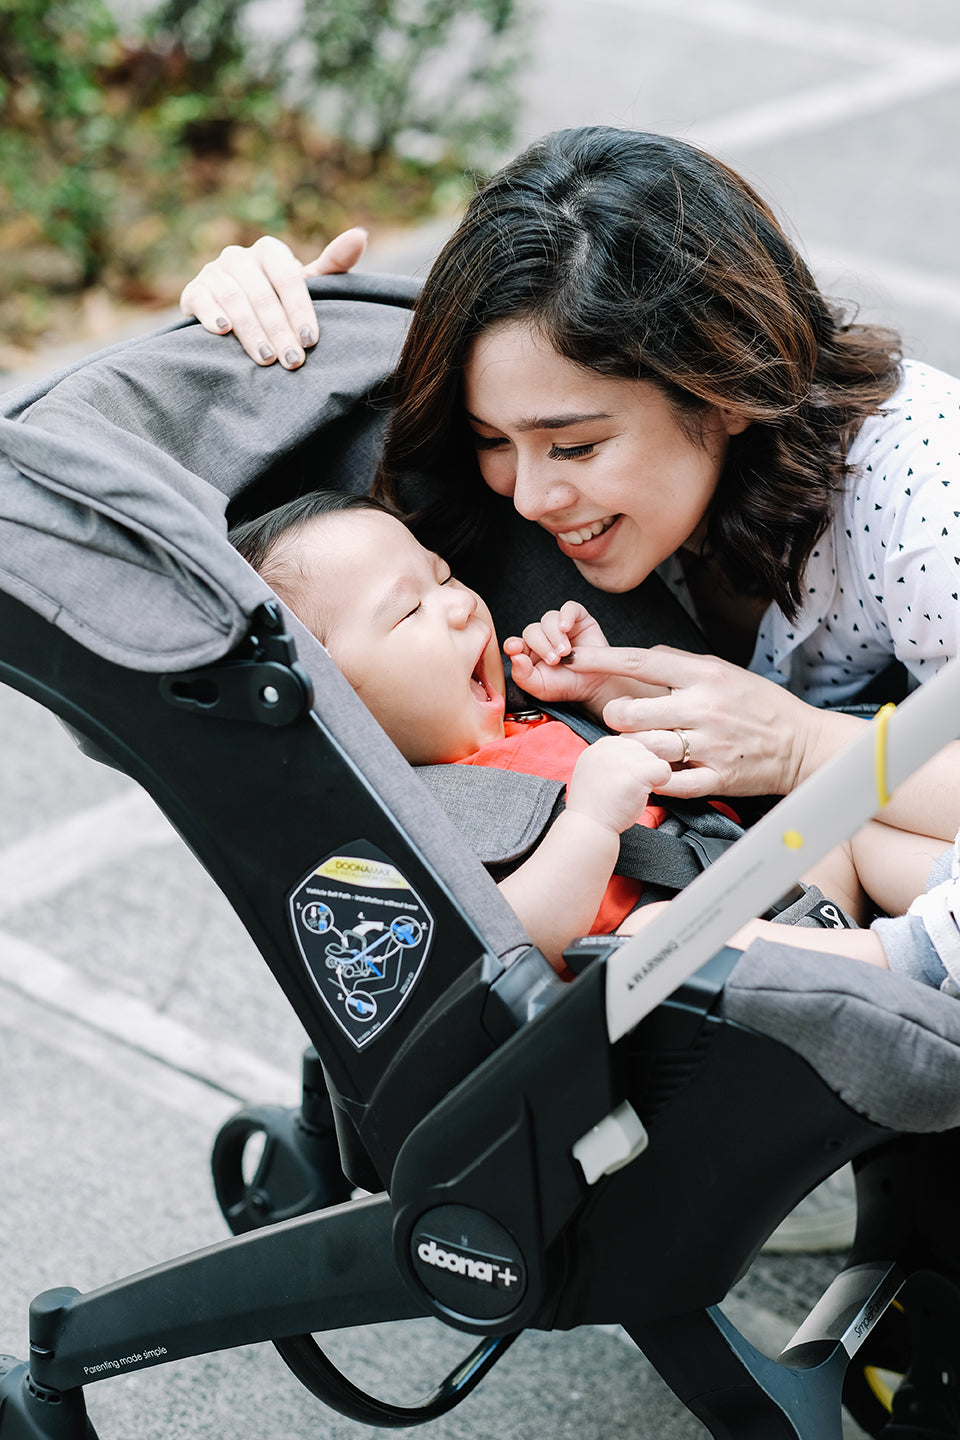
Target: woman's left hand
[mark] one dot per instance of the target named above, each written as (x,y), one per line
(260,293)
(725,730)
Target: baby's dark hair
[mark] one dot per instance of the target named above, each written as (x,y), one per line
(266,544)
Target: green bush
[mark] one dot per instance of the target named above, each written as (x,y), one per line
(59,145)
(121,153)
(393,74)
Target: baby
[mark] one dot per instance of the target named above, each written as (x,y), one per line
(420,650)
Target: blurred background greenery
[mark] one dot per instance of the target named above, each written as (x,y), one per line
(136,139)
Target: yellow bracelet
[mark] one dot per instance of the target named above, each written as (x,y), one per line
(880,722)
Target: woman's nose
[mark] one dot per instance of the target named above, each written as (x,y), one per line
(538,492)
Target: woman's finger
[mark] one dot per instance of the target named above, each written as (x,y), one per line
(666,744)
(241,291)
(343,252)
(196,299)
(282,309)
(627,713)
(658,665)
(693,782)
(223,297)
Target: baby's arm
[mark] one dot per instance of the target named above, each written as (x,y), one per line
(558,891)
(544,661)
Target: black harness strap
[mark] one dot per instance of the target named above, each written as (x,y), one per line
(660,857)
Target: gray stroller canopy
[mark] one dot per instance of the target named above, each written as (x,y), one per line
(114,476)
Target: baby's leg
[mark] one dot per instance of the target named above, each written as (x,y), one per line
(836,875)
(879,863)
(893,866)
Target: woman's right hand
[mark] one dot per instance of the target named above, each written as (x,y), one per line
(260,294)
(744,735)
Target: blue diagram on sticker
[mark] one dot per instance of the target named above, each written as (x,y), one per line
(364,934)
(366,958)
(318,918)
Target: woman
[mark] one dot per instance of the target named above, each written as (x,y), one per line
(621,334)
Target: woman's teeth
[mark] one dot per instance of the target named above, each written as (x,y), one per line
(588,532)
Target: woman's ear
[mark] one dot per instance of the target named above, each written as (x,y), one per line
(733,422)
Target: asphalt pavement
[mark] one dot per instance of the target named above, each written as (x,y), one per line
(135,1013)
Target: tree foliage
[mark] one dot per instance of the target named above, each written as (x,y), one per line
(390,73)
(59,144)
(114,143)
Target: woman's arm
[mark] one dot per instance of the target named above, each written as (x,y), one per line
(260,294)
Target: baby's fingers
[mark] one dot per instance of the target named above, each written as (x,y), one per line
(546,640)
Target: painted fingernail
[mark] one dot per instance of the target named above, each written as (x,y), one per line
(568,659)
(222,323)
(307,336)
(292,357)
(266,353)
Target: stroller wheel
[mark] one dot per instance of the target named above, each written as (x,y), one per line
(295,1168)
(904,1381)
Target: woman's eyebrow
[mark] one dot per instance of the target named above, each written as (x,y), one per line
(546,422)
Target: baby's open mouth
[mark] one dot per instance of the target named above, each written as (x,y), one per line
(587,532)
(478,685)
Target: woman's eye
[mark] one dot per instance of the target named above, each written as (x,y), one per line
(569,452)
(487,442)
(413,611)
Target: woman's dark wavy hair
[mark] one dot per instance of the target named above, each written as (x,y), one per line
(640,257)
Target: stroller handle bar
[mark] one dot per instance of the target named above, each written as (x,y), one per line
(828,807)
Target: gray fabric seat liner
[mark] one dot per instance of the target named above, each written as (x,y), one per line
(887,1045)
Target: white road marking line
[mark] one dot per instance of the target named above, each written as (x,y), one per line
(824,105)
(892,66)
(904,283)
(122,1068)
(27,969)
(862,45)
(50,859)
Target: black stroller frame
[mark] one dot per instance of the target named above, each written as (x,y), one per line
(460,1113)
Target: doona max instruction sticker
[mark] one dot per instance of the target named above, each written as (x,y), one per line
(364,935)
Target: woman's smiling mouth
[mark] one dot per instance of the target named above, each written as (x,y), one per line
(587,532)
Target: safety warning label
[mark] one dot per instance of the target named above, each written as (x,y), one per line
(364,935)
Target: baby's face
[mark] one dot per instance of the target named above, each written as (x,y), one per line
(418,647)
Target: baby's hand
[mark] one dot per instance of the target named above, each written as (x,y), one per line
(565,657)
(611,782)
(540,658)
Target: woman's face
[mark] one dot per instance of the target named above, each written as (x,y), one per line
(602,463)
